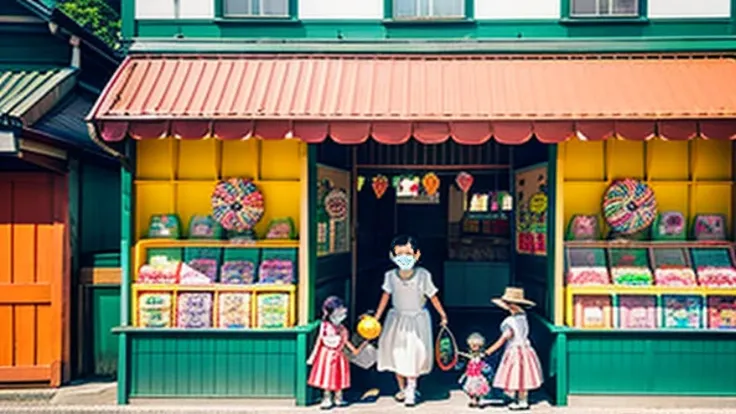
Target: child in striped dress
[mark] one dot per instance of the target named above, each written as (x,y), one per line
(330,366)
(519,370)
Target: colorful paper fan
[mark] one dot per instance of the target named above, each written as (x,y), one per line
(629,206)
(237,204)
(336,204)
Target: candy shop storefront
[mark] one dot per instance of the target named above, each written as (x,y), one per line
(221,242)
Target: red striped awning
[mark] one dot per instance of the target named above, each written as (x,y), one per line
(390,98)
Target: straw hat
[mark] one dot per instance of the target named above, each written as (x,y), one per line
(512,295)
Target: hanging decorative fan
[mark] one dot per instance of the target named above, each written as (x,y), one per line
(237,204)
(629,206)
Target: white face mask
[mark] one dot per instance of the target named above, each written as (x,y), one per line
(338,316)
(404,261)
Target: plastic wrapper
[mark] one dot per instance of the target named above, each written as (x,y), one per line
(191,276)
(154,310)
(238,272)
(675,276)
(281,229)
(682,311)
(632,276)
(234,310)
(273,310)
(717,276)
(276,271)
(587,276)
(637,312)
(207,267)
(159,271)
(194,310)
(722,312)
(592,312)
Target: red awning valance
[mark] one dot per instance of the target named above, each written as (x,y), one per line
(470,99)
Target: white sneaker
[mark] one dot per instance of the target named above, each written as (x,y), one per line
(410,398)
(339,402)
(326,403)
(400,396)
(513,406)
(522,405)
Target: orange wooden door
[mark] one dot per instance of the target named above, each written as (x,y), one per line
(33,278)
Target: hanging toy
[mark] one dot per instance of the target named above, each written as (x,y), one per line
(361,182)
(237,204)
(464,181)
(431,183)
(629,206)
(380,185)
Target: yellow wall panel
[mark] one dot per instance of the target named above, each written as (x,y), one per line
(625,159)
(153,159)
(152,198)
(282,199)
(196,159)
(584,160)
(672,196)
(283,159)
(582,198)
(712,160)
(193,199)
(713,198)
(668,160)
(240,158)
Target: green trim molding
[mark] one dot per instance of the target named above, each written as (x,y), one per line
(567,17)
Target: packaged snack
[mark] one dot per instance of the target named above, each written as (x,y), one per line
(709,227)
(637,312)
(276,271)
(273,310)
(632,276)
(592,312)
(682,311)
(204,260)
(669,225)
(722,312)
(204,227)
(191,276)
(234,310)
(582,276)
(583,228)
(164,226)
(154,310)
(238,272)
(675,276)
(159,270)
(281,229)
(717,276)
(194,310)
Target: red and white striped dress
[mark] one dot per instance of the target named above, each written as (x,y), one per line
(330,365)
(519,369)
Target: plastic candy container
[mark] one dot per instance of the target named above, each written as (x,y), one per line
(717,276)
(273,310)
(632,276)
(675,276)
(682,311)
(159,271)
(238,272)
(154,310)
(194,310)
(722,312)
(281,229)
(592,312)
(234,310)
(207,267)
(276,271)
(637,312)
(588,276)
(191,276)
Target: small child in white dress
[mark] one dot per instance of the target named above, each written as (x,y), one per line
(405,345)
(519,370)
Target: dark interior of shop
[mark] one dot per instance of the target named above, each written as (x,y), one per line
(472,256)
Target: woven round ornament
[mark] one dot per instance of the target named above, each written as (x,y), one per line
(237,204)
(629,206)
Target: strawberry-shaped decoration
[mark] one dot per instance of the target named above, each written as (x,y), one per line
(380,185)
(431,183)
(464,181)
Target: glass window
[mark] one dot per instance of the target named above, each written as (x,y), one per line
(604,8)
(408,9)
(255,8)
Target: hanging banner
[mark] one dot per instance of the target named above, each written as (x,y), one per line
(531,210)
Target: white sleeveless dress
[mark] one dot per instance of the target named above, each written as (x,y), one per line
(405,345)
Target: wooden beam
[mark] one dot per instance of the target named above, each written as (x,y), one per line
(33,373)
(17,294)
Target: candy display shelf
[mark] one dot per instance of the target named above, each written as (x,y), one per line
(602,244)
(216,289)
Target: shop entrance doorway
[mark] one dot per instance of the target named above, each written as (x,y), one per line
(466,228)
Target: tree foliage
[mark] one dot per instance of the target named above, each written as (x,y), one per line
(96,16)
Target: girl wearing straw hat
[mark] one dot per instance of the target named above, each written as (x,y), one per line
(519,370)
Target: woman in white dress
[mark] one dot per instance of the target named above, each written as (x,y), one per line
(405,345)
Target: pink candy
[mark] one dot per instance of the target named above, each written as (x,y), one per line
(674,277)
(158,274)
(588,276)
(717,276)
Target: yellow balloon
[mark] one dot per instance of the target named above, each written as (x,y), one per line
(369,327)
